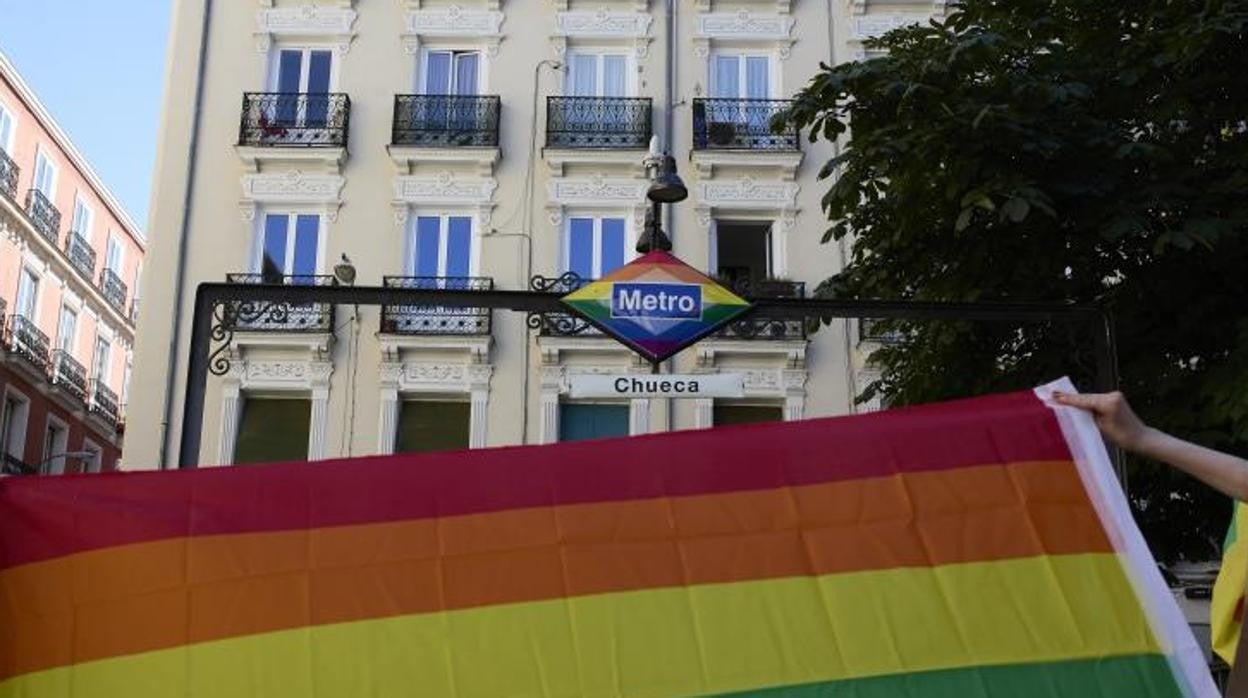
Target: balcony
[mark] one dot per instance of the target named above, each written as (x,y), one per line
(294,120)
(114,290)
(27,341)
(598,122)
(12,465)
(104,403)
(80,254)
(758,325)
(68,374)
(8,175)
(740,124)
(432,319)
(247,316)
(445,121)
(561,324)
(43,215)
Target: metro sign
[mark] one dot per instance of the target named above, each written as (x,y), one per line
(656,305)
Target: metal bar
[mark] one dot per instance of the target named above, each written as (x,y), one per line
(209,295)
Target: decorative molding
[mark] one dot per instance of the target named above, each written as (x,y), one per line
(407,158)
(705,162)
(444,189)
(782,6)
(596,191)
(292,187)
(455,22)
(285,374)
(871,26)
(747,193)
(305,22)
(603,24)
(743,25)
(637,5)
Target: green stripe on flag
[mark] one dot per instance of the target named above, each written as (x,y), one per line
(1137,676)
(1232,531)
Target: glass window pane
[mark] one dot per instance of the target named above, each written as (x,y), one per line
(580,422)
(466,69)
(428,231)
(320,65)
(27,295)
(757,77)
(612,244)
(458,246)
(581,247)
(289,71)
(273,430)
(6,129)
(438,73)
(65,334)
(307,230)
(273,261)
(727,79)
(746,414)
(427,425)
(614,76)
(584,75)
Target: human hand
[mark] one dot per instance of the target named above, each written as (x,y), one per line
(1113,416)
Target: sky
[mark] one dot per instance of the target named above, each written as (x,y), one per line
(98,66)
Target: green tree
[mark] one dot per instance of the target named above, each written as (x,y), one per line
(1072,150)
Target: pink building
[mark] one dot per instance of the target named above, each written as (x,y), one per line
(70,259)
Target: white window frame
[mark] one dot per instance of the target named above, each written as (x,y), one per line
(60,327)
(305,64)
(7,144)
(773,71)
(103,375)
(422,67)
(257,251)
(17,446)
(57,466)
(565,253)
(51,166)
(115,243)
(34,303)
(96,463)
(775,244)
(444,216)
(89,215)
(630,68)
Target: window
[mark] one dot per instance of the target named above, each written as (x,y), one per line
(45,175)
(451,73)
(741,77)
(114,255)
(27,294)
(8,128)
(67,329)
(428,425)
(598,75)
(746,414)
(125,383)
(442,246)
(303,71)
(741,251)
(594,246)
(578,422)
(13,425)
(55,444)
(93,463)
(289,246)
(273,429)
(100,363)
(82,219)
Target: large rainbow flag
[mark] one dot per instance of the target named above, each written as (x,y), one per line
(970,549)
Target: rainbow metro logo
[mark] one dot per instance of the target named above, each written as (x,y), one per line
(657,305)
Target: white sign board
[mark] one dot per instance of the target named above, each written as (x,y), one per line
(630,385)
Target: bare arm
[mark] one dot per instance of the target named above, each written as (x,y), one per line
(1118,423)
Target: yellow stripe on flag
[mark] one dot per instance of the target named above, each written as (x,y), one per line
(1226,612)
(662,642)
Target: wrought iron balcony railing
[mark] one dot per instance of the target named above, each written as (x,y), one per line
(445,120)
(560,324)
(12,465)
(80,254)
(44,216)
(598,122)
(740,124)
(247,316)
(69,375)
(294,120)
(26,340)
(433,319)
(759,325)
(104,403)
(8,175)
(114,290)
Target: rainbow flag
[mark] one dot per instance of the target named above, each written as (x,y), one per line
(976,548)
(1226,611)
(664,327)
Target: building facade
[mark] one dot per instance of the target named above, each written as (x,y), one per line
(70,259)
(479,144)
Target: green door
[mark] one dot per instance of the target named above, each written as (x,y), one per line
(579,422)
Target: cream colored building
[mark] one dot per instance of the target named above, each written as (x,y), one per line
(478,143)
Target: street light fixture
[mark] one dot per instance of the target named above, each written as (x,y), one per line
(666,187)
